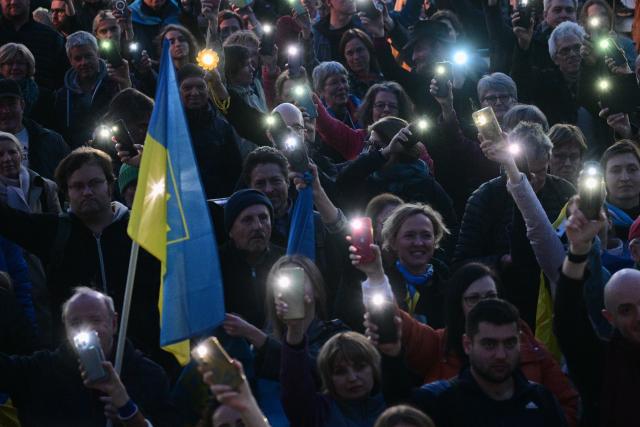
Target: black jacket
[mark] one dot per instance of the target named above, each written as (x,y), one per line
(461,403)
(47,47)
(245,286)
(215,144)
(46,149)
(47,389)
(74,256)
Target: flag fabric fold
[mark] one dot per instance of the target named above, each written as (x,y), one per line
(170,220)
(302,237)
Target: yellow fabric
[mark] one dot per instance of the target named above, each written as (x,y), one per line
(8,415)
(412,302)
(544,312)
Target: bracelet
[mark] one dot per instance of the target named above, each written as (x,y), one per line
(128,411)
(577,259)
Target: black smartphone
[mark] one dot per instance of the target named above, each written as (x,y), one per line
(120,132)
(295,150)
(382,312)
(524,9)
(443,73)
(134,51)
(290,284)
(418,130)
(619,93)
(87,345)
(268,41)
(592,190)
(611,49)
(294,60)
(110,52)
(371,8)
(303,97)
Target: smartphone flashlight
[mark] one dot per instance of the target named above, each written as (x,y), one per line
(267,29)
(481,120)
(514,148)
(104,132)
(592,171)
(81,340)
(604,85)
(292,50)
(441,70)
(106,44)
(202,351)
(378,300)
(422,124)
(298,91)
(284,282)
(207,59)
(591,183)
(594,22)
(290,143)
(460,57)
(604,44)
(134,46)
(524,3)
(270,121)
(356,224)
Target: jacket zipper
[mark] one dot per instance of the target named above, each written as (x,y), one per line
(103,274)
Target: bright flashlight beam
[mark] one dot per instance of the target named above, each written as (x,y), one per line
(267,28)
(591,183)
(202,351)
(514,149)
(81,339)
(440,70)
(292,50)
(298,91)
(377,300)
(133,47)
(270,120)
(604,84)
(481,120)
(423,124)
(284,282)
(356,224)
(461,57)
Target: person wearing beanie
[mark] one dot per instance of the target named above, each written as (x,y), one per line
(127,183)
(248,255)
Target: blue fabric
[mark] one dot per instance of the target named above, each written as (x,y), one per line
(12,261)
(302,237)
(400,175)
(140,17)
(619,217)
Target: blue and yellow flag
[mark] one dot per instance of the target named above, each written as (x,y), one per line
(170,220)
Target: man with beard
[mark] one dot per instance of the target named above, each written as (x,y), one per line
(248,256)
(63,17)
(492,389)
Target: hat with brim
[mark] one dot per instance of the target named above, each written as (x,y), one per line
(10,88)
(428,31)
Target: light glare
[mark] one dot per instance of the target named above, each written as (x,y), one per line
(267,29)
(460,57)
(292,50)
(514,149)
(603,84)
(591,183)
(377,300)
(202,351)
(356,224)
(134,46)
(284,282)
(290,143)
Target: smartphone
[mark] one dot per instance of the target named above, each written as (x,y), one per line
(120,132)
(619,93)
(211,356)
(290,284)
(524,9)
(418,130)
(297,7)
(362,238)
(371,8)
(487,124)
(294,60)
(295,151)
(277,127)
(611,49)
(442,74)
(90,353)
(598,27)
(592,190)
(268,41)
(135,51)
(302,94)
(382,311)
(110,52)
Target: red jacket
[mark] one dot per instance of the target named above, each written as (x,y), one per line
(425,355)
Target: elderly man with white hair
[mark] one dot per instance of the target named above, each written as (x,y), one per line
(606,373)
(89,86)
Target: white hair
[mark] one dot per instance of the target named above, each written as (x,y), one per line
(92,293)
(547,4)
(563,30)
(497,82)
(81,38)
(325,70)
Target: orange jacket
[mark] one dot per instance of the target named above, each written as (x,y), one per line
(424,353)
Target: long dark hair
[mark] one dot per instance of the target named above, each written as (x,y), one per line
(355,33)
(458,284)
(405,106)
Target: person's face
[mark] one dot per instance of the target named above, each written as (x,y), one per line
(15,69)
(596,10)
(385,104)
(251,230)
(415,242)
(129,194)
(336,91)
(538,172)
(379,222)
(309,128)
(58,13)
(88,191)
(10,158)
(244,76)
(352,381)
(84,59)
(357,56)
(193,92)
(155,4)
(228,27)
(560,11)
(12,9)
(565,162)
(342,7)
(225,416)
(178,45)
(268,178)
(499,100)
(426,53)
(625,315)
(567,56)
(482,288)
(87,313)
(622,176)
(108,29)
(11,111)
(494,352)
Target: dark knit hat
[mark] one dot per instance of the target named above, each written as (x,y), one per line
(189,70)
(127,176)
(11,88)
(239,201)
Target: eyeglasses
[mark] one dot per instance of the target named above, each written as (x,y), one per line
(473,299)
(568,50)
(493,99)
(383,105)
(563,157)
(93,185)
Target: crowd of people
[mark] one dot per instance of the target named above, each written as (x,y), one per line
(498,284)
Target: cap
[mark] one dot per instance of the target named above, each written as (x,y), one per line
(11,88)
(239,201)
(428,30)
(127,176)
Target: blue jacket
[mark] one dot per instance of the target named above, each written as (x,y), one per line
(12,261)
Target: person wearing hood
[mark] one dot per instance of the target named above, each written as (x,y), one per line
(89,245)
(149,17)
(89,86)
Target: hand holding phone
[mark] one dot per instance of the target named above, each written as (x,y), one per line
(120,133)
(110,52)
(524,10)
(371,8)
(592,190)
(443,74)
(89,350)
(487,124)
(290,287)
(382,311)
(211,357)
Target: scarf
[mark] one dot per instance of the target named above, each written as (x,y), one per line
(412,281)
(619,217)
(253,95)
(14,192)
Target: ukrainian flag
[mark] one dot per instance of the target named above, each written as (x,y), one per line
(170,220)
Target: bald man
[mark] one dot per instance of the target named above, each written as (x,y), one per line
(606,372)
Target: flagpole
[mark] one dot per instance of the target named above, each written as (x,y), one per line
(126,305)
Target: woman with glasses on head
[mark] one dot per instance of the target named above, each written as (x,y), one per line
(437,354)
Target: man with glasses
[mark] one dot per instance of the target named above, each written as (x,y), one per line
(89,246)
(63,17)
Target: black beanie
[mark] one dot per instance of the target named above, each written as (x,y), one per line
(239,201)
